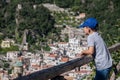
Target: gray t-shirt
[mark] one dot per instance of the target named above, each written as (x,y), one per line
(101,55)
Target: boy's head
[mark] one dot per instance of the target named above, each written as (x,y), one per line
(89,24)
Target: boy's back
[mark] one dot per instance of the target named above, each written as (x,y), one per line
(101,55)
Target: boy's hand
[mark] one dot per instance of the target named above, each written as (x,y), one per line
(82,53)
(90,51)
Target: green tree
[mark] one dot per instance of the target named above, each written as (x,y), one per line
(38,20)
(64,3)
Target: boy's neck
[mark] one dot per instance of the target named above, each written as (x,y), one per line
(91,31)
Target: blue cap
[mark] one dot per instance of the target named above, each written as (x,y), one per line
(90,22)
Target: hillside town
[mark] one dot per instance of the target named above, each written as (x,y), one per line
(37,35)
(23,62)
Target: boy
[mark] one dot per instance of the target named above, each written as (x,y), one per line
(97,48)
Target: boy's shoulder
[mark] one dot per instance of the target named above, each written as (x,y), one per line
(94,36)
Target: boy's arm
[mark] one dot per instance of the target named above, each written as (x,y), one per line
(90,51)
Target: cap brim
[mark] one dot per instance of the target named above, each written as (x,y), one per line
(82,25)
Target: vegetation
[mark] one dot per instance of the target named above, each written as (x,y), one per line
(5,50)
(46,48)
(38,21)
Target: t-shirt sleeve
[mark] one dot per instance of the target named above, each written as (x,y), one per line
(90,41)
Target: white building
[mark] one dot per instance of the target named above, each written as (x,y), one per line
(7,43)
(53,48)
(53,7)
(28,55)
(62,44)
(74,42)
(35,61)
(80,16)
(12,55)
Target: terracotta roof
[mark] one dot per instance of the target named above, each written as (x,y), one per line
(52,55)
(64,59)
(47,66)
(68,78)
(2,71)
(78,55)
(35,66)
(83,71)
(62,43)
(51,45)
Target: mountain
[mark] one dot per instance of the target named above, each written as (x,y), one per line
(40,22)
